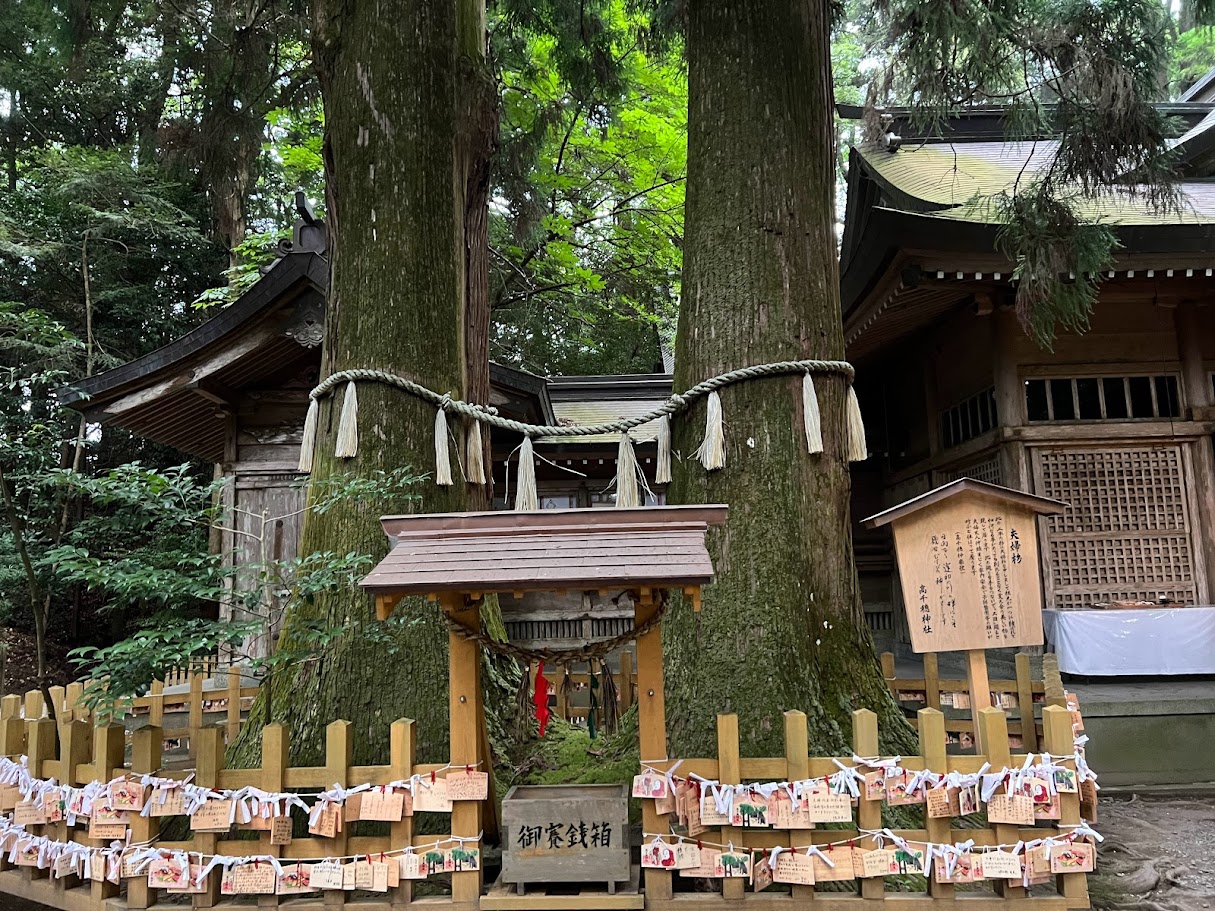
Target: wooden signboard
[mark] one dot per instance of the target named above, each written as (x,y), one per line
(968,560)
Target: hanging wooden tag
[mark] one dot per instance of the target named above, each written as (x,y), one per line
(468,785)
(296,879)
(794,869)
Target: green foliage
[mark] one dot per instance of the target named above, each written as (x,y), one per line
(1192,57)
(1058,260)
(587,213)
(132,552)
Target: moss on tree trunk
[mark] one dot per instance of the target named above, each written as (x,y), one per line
(782,626)
(404,158)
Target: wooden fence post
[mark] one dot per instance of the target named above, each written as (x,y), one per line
(797,760)
(275,749)
(75,751)
(34,705)
(1053,683)
(196,711)
(12,728)
(156,705)
(625,686)
(651,728)
(108,749)
(932,681)
(869,812)
(208,751)
(234,702)
(73,709)
(402,747)
(58,695)
(339,750)
(145,760)
(888,673)
(932,748)
(1058,740)
(1025,704)
(993,734)
(40,742)
(729,771)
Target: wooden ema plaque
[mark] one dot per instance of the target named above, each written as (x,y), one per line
(968,560)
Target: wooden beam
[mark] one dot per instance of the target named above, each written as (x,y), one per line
(652,731)
(464,704)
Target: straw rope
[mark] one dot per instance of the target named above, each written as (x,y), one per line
(489,415)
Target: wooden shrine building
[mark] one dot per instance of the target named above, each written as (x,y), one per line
(234,391)
(1116,422)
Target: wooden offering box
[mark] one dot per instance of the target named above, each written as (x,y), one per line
(566,834)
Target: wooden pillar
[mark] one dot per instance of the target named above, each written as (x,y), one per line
(402,755)
(932,748)
(1196,389)
(1010,398)
(652,726)
(932,681)
(339,753)
(464,688)
(868,812)
(888,673)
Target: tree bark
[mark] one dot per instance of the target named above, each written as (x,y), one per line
(782,627)
(397,160)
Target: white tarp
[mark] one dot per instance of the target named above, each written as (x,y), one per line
(1179,640)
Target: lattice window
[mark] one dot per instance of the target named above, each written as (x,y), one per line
(986,470)
(969,418)
(1126,532)
(1102,398)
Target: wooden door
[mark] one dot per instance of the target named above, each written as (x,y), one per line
(1127,532)
(265,511)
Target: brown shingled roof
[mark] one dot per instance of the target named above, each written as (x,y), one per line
(661,547)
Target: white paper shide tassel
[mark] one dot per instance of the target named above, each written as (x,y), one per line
(442,455)
(475,454)
(308,444)
(348,425)
(857,450)
(811,416)
(628,492)
(662,471)
(712,452)
(525,497)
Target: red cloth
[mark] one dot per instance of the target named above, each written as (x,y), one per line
(540,698)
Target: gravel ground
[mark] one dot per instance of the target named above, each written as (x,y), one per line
(1158,854)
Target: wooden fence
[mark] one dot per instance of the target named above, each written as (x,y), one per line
(1070,890)
(1023,696)
(85,753)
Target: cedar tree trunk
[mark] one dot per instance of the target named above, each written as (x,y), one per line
(782,626)
(398,158)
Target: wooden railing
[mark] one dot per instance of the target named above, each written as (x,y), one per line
(1023,697)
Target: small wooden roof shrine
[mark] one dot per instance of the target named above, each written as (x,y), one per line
(551,550)
(458,558)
